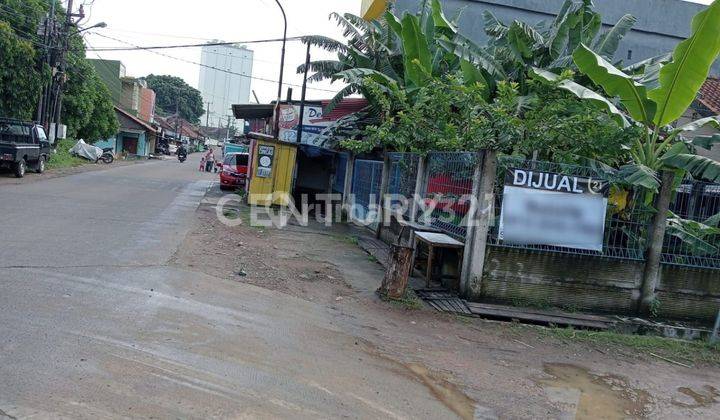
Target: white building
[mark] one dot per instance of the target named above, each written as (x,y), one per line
(224,81)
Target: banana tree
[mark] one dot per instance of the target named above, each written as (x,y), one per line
(392,51)
(513,50)
(657,106)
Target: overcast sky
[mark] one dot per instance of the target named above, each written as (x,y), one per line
(167,22)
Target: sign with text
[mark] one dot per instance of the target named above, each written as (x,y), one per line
(266,156)
(544,208)
(312,124)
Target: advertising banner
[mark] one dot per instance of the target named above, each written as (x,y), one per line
(266,156)
(312,124)
(544,208)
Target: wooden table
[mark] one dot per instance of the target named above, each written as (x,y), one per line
(437,240)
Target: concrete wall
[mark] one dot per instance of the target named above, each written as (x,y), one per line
(595,284)
(661,23)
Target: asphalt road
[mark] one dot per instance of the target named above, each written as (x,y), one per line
(94,322)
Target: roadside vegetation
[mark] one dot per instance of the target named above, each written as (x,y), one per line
(683,352)
(87,104)
(63,159)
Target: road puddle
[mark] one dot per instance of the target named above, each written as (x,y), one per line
(697,399)
(591,396)
(449,394)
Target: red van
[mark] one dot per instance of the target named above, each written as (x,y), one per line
(234,171)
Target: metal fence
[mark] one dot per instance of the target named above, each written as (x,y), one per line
(693,245)
(449,179)
(338,183)
(366,180)
(402,179)
(626,222)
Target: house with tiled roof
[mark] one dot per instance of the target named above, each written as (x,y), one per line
(135,137)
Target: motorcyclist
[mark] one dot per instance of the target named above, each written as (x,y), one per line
(182,152)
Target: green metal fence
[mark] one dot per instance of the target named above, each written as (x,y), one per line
(626,222)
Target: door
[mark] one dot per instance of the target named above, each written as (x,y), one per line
(130,146)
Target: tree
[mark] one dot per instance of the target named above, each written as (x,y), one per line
(87,106)
(175,95)
(20,83)
(514,49)
(655,99)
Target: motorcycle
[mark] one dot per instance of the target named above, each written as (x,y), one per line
(182,157)
(107,157)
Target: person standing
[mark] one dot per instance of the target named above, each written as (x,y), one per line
(209,160)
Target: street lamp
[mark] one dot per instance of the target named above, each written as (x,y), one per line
(97,25)
(282,66)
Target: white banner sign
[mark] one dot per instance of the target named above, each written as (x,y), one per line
(542,208)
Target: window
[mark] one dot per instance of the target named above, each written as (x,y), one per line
(237,160)
(14,133)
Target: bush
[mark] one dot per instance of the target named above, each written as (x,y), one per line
(62,158)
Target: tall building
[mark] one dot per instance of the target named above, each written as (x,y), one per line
(224,81)
(661,24)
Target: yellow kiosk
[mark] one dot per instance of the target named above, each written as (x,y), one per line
(271,171)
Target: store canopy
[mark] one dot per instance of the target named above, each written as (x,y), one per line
(253,111)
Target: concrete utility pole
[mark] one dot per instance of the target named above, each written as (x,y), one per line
(49,33)
(276,130)
(302,96)
(61,75)
(207,114)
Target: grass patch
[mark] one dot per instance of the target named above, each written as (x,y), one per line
(372,258)
(686,352)
(62,158)
(409,302)
(352,239)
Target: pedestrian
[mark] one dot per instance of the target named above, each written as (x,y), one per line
(202,163)
(209,160)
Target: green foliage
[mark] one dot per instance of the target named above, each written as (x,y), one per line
(173,93)
(62,157)
(87,108)
(681,79)
(20,82)
(679,350)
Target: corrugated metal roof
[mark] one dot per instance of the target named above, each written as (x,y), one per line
(346,107)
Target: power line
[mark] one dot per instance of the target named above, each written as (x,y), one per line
(167,47)
(139,48)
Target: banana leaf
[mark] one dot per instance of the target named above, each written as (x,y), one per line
(681,79)
(616,83)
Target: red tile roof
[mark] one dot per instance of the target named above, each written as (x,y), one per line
(710,94)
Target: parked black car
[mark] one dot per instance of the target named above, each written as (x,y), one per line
(23,145)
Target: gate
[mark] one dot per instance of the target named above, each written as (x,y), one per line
(367,177)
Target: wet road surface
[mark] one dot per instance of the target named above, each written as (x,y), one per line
(94,322)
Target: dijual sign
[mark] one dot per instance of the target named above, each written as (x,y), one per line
(543,208)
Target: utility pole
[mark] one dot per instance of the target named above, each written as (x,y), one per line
(61,76)
(48,33)
(276,130)
(302,96)
(207,114)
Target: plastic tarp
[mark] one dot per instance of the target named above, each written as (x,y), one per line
(86,151)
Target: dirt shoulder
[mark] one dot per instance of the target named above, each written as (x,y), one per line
(484,369)
(7,178)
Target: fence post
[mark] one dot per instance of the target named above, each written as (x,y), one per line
(347,187)
(420,185)
(479,224)
(384,183)
(656,237)
(716,330)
